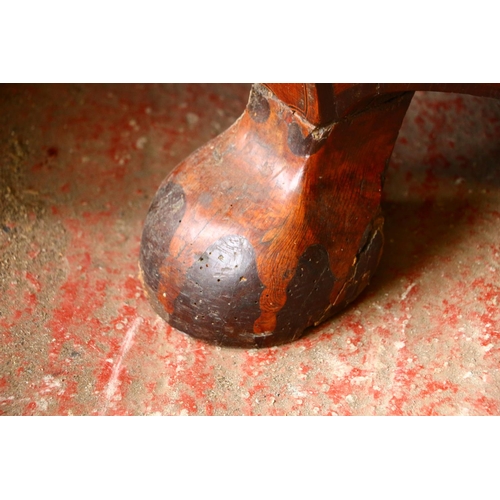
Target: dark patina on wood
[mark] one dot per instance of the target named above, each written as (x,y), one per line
(275,225)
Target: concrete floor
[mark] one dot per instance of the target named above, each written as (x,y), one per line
(79,166)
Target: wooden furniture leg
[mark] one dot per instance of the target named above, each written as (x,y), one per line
(275,225)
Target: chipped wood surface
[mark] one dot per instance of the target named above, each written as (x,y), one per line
(275,225)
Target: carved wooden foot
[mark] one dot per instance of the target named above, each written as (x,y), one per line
(274,225)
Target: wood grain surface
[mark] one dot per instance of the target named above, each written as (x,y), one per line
(275,225)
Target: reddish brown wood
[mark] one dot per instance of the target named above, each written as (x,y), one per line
(275,225)
(323,103)
(352,98)
(314,101)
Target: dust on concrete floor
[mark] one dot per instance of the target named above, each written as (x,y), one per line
(79,165)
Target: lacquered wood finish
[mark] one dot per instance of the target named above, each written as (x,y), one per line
(275,225)
(324,103)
